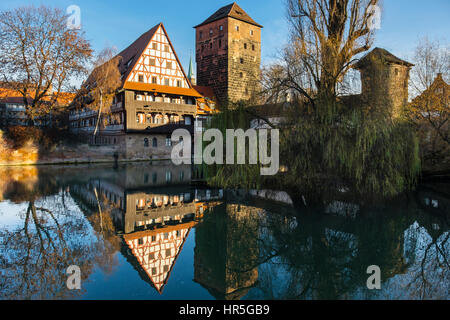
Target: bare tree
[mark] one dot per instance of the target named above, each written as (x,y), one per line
(40,56)
(326,37)
(430,110)
(102,85)
(430,59)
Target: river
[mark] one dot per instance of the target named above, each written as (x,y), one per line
(143,231)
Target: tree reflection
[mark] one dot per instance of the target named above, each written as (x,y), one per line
(51,236)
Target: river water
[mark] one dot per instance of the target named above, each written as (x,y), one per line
(142,231)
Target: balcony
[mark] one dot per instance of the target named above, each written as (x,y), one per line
(161,107)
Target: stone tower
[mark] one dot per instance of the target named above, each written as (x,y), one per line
(384,80)
(228,54)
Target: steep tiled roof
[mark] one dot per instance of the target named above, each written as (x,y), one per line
(383,55)
(206,92)
(233,11)
(130,55)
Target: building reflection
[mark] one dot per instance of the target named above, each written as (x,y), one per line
(226,251)
(152,208)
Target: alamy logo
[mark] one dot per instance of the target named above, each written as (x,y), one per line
(236,148)
(74,279)
(374,281)
(74,17)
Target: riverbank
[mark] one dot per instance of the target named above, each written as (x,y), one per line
(31,154)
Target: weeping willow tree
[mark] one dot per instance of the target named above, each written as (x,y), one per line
(233,175)
(330,145)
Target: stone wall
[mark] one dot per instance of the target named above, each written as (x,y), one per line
(385,87)
(229,60)
(212,57)
(244,60)
(136,147)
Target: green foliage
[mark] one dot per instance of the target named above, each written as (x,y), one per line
(329,148)
(232,176)
(334,148)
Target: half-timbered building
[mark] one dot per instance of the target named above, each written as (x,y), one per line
(154,99)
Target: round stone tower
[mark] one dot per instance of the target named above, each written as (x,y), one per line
(384,81)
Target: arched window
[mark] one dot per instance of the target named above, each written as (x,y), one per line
(155,143)
(146,144)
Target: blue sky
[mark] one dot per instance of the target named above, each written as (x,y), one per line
(119,23)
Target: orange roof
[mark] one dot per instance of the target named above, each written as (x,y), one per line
(149,233)
(206,92)
(161,89)
(14,96)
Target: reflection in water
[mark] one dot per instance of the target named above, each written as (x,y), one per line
(146,221)
(226,251)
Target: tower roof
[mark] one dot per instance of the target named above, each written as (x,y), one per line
(380,54)
(233,11)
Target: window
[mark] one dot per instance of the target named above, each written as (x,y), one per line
(168,176)
(141,78)
(166,268)
(210,32)
(140,242)
(220,43)
(146,144)
(253,47)
(168,141)
(153,271)
(154,80)
(166,82)
(237,28)
(221,28)
(200,35)
(155,46)
(166,48)
(168,251)
(155,144)
(140,117)
(251,32)
(242,60)
(210,45)
(182,176)
(396,71)
(245,46)
(153,240)
(179,85)
(241,75)
(151,256)
(169,65)
(152,62)
(166,236)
